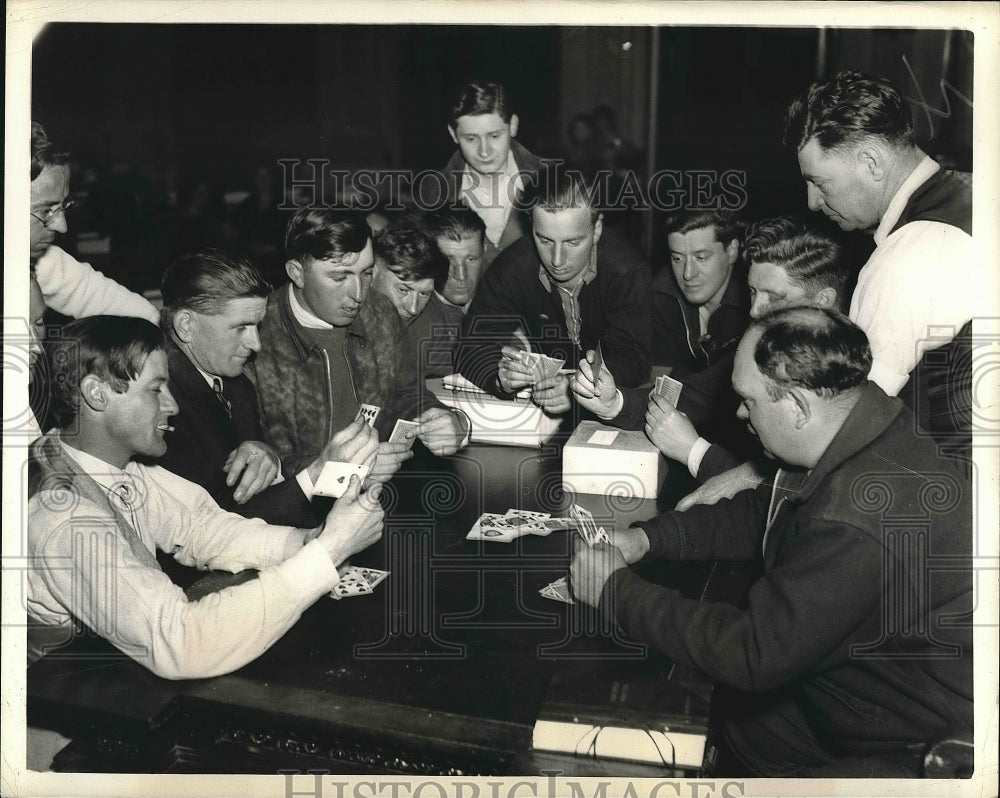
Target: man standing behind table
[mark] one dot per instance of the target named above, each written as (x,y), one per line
(490,170)
(923,284)
(408,265)
(329,344)
(820,683)
(213,306)
(96,518)
(569,287)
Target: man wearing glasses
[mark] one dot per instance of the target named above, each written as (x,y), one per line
(68,286)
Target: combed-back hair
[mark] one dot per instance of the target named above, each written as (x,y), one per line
(113,348)
(480,97)
(726,224)
(205,281)
(846,109)
(407,249)
(818,349)
(454,224)
(44,152)
(555,188)
(812,259)
(325,233)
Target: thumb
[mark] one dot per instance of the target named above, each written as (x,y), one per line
(370,497)
(686,503)
(353,489)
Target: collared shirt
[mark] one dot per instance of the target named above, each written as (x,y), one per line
(569,297)
(304,316)
(464,308)
(492,199)
(926,169)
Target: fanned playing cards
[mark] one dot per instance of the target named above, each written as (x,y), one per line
(357,581)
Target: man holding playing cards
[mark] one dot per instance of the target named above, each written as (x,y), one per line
(849,657)
(96,517)
(569,287)
(331,348)
(213,305)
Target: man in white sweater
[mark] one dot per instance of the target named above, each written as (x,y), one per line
(68,286)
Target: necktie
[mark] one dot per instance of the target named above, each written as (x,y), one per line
(217,385)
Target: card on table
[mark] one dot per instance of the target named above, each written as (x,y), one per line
(495,528)
(370,413)
(404,432)
(335,476)
(352,583)
(558,590)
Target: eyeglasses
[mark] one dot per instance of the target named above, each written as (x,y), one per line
(50,213)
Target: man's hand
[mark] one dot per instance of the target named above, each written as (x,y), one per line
(600,395)
(669,429)
(354,523)
(552,394)
(590,570)
(355,443)
(633,543)
(723,486)
(257,462)
(512,374)
(442,431)
(390,457)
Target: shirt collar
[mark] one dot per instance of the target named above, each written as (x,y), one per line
(302,315)
(586,278)
(104,474)
(464,308)
(509,170)
(925,169)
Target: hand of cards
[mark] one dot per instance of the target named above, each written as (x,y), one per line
(543,366)
(558,590)
(513,524)
(357,581)
(668,388)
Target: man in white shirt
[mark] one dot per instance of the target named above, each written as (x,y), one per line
(922,285)
(96,518)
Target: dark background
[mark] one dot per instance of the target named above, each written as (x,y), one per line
(159,114)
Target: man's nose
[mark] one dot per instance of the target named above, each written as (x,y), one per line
(558,254)
(252,339)
(57,223)
(758,307)
(741,412)
(484,148)
(168,404)
(690,272)
(458,271)
(813,198)
(412,303)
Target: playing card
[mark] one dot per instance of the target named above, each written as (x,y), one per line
(370,412)
(351,584)
(373,576)
(669,389)
(549,366)
(598,361)
(335,476)
(495,528)
(558,590)
(399,432)
(589,531)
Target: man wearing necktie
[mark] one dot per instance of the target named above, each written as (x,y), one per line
(848,658)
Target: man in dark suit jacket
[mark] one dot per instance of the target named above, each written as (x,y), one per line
(212,308)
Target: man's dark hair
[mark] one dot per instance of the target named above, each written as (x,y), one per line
(847,109)
(725,224)
(325,233)
(205,281)
(555,188)
(480,97)
(113,348)
(44,152)
(813,348)
(454,224)
(407,249)
(811,259)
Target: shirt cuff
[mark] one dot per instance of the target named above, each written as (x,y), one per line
(468,427)
(696,455)
(305,482)
(887,378)
(619,404)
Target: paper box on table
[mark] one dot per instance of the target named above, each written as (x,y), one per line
(613,462)
(511,422)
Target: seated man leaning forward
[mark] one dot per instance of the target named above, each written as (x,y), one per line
(96,515)
(568,288)
(329,344)
(408,265)
(212,309)
(790,266)
(821,685)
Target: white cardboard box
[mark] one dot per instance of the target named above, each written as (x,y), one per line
(511,422)
(612,462)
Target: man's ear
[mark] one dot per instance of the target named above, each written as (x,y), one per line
(871,159)
(513,125)
(182,323)
(95,392)
(732,251)
(803,411)
(296,272)
(453,134)
(598,228)
(826,298)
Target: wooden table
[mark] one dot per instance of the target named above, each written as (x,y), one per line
(441,671)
